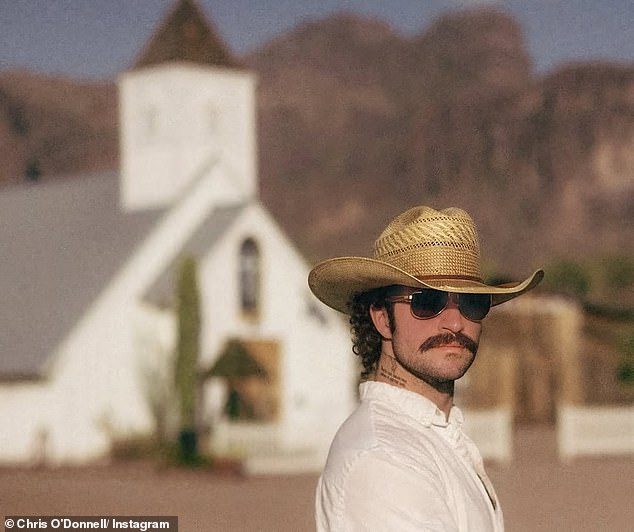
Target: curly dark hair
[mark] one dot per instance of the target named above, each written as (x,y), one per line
(366,340)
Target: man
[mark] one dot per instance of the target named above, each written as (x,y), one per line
(401,462)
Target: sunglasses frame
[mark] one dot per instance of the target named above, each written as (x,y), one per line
(451,297)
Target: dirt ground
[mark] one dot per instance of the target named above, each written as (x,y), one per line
(538,493)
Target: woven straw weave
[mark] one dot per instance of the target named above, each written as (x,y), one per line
(425,243)
(423,248)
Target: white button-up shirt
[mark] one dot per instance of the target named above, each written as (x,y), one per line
(398,465)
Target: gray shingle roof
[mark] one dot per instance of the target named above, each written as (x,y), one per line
(161,292)
(60,243)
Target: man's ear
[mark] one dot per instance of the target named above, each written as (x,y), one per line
(381,321)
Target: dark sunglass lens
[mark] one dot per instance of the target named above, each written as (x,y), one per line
(475,306)
(428,303)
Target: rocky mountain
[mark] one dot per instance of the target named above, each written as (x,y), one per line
(53,126)
(357,123)
(360,123)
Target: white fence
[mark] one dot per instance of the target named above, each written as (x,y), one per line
(593,430)
(581,431)
(492,431)
(260,448)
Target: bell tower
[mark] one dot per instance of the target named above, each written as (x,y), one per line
(186,107)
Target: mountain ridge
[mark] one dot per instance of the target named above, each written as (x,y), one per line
(356,123)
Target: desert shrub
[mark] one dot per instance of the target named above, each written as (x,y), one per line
(625,369)
(569,278)
(618,272)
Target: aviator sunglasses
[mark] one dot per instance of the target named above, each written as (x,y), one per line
(429,303)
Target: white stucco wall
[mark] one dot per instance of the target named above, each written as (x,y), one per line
(25,409)
(94,393)
(175,119)
(318,371)
(97,387)
(93,388)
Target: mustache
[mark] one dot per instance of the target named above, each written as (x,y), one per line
(450,338)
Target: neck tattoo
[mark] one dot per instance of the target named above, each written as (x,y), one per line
(390,372)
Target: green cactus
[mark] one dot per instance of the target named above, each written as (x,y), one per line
(186,371)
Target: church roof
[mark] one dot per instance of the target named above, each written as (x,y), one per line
(62,242)
(162,291)
(185,35)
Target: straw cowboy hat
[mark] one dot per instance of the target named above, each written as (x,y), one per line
(421,248)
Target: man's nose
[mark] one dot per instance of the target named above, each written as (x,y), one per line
(451,318)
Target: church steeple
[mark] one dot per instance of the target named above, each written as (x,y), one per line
(186,112)
(185,34)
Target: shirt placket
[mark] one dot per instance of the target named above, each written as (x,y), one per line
(470,456)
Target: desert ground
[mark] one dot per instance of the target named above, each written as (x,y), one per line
(538,493)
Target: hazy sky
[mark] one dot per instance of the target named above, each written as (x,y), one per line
(99,38)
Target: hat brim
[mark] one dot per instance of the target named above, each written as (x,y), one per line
(335,281)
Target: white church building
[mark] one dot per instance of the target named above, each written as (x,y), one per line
(89,267)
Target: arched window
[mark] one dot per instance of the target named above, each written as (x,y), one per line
(249,277)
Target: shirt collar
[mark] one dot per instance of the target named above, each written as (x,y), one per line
(411,403)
